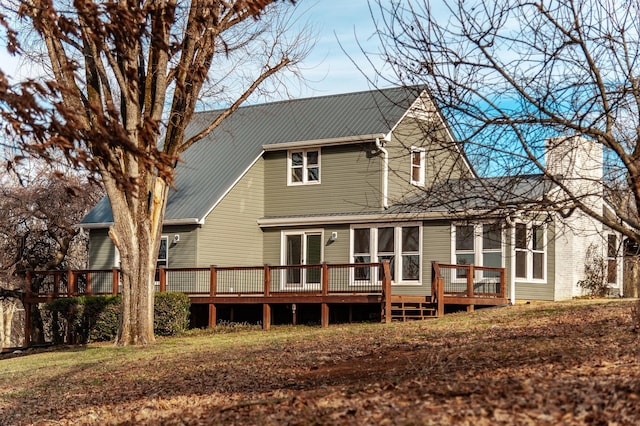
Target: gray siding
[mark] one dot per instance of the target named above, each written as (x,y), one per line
(442,159)
(101,250)
(183,253)
(230,235)
(333,252)
(350,179)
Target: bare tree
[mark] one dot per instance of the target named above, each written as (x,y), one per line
(39,212)
(525,82)
(125,73)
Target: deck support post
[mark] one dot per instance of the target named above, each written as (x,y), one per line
(440,297)
(266,316)
(213,313)
(213,288)
(386,291)
(324,315)
(266,307)
(324,307)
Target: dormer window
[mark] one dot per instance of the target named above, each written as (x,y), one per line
(304,166)
(417,166)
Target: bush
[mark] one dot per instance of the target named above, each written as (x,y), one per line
(595,271)
(97,318)
(171,314)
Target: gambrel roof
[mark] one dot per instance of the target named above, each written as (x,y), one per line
(211,167)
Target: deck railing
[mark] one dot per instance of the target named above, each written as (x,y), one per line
(466,281)
(359,278)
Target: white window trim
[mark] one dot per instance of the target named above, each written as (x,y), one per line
(478,249)
(283,256)
(397,245)
(421,179)
(290,182)
(303,232)
(166,238)
(529,278)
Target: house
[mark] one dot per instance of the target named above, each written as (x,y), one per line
(350,178)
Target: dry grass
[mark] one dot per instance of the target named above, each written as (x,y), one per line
(547,363)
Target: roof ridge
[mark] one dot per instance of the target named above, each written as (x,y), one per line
(333,95)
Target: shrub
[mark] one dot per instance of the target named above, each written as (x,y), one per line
(97,318)
(102,315)
(595,271)
(171,314)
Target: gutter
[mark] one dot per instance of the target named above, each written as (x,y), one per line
(351,218)
(169,222)
(345,140)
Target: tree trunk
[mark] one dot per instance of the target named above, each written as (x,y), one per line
(136,233)
(7,310)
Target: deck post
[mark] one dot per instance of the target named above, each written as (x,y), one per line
(440,296)
(503,283)
(213,288)
(71,284)
(212,315)
(162,272)
(325,278)
(386,291)
(114,280)
(471,273)
(324,314)
(267,280)
(88,289)
(266,307)
(324,307)
(56,283)
(266,316)
(213,281)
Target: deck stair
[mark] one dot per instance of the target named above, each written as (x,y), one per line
(406,310)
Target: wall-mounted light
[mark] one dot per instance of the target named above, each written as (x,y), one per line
(333,237)
(176,238)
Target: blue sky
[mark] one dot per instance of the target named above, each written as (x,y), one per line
(328,69)
(341,26)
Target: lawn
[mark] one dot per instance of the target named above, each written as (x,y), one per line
(544,363)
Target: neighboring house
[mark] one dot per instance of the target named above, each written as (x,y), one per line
(346,179)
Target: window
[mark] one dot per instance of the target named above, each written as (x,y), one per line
(163,253)
(400,245)
(477,244)
(612,259)
(530,251)
(362,252)
(304,167)
(163,256)
(417,166)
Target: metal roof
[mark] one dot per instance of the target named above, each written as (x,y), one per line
(211,167)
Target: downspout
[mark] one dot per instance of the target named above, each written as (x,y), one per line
(512,261)
(385,173)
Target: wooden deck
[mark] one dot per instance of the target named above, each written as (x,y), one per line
(325,284)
